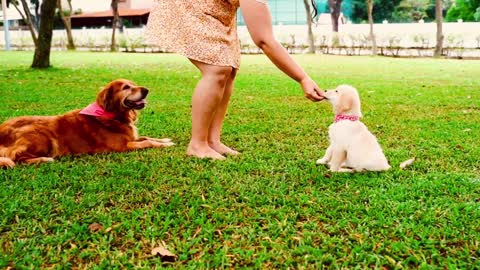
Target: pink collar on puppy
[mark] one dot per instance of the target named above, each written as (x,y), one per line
(340,117)
(95,110)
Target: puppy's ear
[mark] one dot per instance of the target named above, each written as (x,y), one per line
(105,97)
(345,103)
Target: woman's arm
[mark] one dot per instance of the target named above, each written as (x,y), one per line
(259,23)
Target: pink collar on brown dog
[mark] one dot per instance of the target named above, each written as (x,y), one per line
(341,117)
(95,110)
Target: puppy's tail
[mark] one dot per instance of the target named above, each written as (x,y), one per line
(6,162)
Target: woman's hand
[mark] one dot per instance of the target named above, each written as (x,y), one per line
(259,23)
(311,90)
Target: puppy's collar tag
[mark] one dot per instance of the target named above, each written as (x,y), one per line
(341,117)
(95,110)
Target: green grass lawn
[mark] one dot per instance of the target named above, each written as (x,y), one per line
(271,207)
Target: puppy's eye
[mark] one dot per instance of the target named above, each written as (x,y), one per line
(336,91)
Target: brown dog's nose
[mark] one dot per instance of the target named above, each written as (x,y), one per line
(144,91)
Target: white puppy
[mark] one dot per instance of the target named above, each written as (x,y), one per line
(352,146)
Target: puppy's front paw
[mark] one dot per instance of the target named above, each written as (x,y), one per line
(344,170)
(322,161)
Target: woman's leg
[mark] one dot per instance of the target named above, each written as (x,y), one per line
(216,126)
(206,98)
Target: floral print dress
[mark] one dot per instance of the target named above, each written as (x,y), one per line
(202,30)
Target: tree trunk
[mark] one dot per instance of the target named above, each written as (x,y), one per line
(311,39)
(370,21)
(114,6)
(439,19)
(335,6)
(68,24)
(27,18)
(41,58)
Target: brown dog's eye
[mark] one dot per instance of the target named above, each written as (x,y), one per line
(126,87)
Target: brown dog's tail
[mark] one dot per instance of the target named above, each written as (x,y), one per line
(6,162)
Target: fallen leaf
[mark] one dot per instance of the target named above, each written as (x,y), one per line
(199,229)
(165,254)
(406,163)
(95,227)
(467,130)
(390,260)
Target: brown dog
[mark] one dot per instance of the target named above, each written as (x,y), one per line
(108,125)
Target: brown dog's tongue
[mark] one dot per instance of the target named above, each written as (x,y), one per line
(143,101)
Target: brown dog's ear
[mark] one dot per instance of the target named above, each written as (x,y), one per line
(345,103)
(104,98)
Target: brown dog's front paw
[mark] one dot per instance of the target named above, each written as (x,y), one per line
(168,144)
(6,163)
(39,160)
(158,144)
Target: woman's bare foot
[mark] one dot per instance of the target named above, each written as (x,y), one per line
(223,149)
(203,151)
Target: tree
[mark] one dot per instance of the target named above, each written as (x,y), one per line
(467,10)
(431,10)
(439,19)
(411,10)
(311,39)
(370,21)
(383,10)
(67,22)
(41,58)
(335,8)
(114,6)
(27,16)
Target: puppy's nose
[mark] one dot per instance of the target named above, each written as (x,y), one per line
(144,91)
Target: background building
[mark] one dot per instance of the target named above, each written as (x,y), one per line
(94,13)
(284,12)
(88,6)
(292,12)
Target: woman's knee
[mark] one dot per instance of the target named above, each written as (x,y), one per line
(218,74)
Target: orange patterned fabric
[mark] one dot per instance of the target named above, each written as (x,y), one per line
(202,30)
